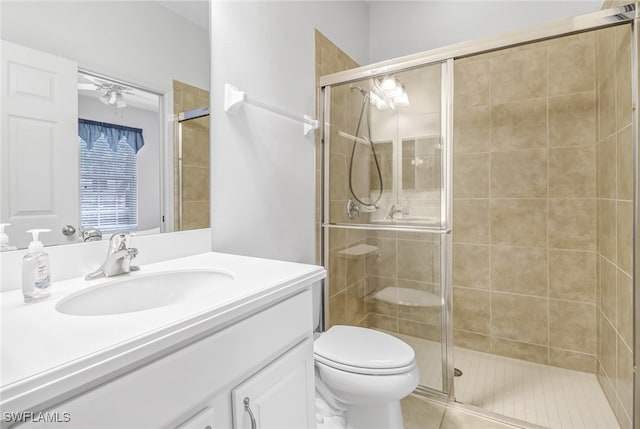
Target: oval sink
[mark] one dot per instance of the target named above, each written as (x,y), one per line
(142,292)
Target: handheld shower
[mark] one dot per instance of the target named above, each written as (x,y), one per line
(365,101)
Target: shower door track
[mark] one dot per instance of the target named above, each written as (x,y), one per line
(592,21)
(374,227)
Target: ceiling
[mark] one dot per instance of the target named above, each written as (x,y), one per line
(196,11)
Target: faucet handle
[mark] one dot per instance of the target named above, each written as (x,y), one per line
(90,234)
(127,263)
(120,240)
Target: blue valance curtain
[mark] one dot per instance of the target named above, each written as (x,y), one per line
(90,131)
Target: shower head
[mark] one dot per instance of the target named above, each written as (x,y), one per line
(360,90)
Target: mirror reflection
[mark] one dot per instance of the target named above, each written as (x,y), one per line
(105,123)
(386,163)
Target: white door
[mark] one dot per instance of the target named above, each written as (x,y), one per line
(280,396)
(39,147)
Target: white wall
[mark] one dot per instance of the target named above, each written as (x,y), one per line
(136,41)
(263,201)
(398,28)
(148,157)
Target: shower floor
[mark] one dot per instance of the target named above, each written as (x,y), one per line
(544,395)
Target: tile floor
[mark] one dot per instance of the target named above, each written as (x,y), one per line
(421,413)
(539,394)
(548,396)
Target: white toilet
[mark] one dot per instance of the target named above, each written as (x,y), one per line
(366,373)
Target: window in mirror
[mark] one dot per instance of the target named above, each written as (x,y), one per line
(421,164)
(108,184)
(119,176)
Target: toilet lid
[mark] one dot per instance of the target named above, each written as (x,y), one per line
(363,348)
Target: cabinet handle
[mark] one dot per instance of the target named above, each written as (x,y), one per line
(247,408)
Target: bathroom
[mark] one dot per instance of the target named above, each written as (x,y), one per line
(273,209)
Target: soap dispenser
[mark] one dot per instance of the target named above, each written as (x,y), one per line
(36,280)
(4,239)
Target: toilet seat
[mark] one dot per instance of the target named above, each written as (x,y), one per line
(364,371)
(363,351)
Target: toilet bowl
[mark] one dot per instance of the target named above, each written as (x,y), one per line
(367,373)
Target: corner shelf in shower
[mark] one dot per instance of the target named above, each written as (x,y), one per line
(359,250)
(407,297)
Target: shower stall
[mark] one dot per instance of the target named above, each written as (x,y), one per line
(480,203)
(192,169)
(190,203)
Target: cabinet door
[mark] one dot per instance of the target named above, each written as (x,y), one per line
(281,395)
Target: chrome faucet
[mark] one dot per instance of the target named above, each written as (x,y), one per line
(352,209)
(394,210)
(119,258)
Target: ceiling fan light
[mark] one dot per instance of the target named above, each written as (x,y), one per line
(113,97)
(120,103)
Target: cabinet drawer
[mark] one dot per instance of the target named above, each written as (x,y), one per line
(177,386)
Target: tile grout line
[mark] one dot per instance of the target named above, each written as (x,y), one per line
(547,214)
(490,212)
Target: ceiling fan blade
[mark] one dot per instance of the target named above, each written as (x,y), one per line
(87,86)
(93,79)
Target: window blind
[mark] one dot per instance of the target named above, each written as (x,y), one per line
(108,185)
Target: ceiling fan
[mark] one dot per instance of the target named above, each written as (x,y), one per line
(110,93)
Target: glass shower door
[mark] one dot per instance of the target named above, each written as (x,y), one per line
(386,224)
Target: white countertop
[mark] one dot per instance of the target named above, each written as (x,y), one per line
(45,353)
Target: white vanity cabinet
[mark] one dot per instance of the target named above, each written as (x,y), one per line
(266,356)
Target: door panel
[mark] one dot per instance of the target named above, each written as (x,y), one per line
(391,149)
(40,147)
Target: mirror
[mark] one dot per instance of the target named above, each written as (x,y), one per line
(128,53)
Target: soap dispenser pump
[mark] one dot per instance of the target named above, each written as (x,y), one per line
(36,278)
(4,239)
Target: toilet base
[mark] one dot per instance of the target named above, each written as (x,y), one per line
(387,415)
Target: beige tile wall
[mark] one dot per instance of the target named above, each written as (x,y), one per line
(405,268)
(401,261)
(329,59)
(615,216)
(346,278)
(524,224)
(195,159)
